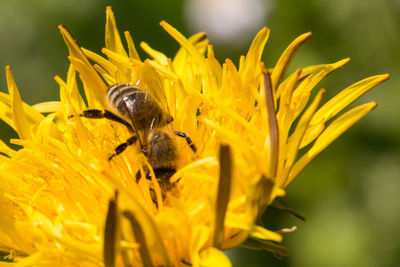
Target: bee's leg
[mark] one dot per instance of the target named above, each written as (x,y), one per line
(122,147)
(188,140)
(104,114)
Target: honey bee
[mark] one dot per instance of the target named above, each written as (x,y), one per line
(146,119)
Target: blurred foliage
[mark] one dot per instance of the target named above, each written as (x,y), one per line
(351,192)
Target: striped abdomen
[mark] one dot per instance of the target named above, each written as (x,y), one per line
(137,106)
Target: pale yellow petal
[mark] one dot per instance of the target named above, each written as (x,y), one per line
(47,107)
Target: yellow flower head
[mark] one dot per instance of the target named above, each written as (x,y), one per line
(180,201)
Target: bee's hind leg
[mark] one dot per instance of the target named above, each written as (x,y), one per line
(188,140)
(122,147)
(104,114)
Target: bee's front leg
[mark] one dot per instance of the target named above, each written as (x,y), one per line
(104,114)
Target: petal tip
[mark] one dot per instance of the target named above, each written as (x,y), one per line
(385,76)
(373,104)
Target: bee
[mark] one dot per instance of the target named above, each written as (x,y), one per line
(146,118)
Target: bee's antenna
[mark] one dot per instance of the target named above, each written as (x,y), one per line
(130,115)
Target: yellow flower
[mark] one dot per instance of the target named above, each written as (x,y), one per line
(247,122)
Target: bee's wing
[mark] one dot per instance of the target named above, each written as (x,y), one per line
(143,76)
(151,82)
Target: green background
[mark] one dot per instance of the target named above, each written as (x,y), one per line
(350,194)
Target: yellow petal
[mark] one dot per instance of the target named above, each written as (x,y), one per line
(94,99)
(31,260)
(346,97)
(286,58)
(333,131)
(32,115)
(144,250)
(82,65)
(113,40)
(148,227)
(131,46)
(340,102)
(117,58)
(18,114)
(296,137)
(264,234)
(215,67)
(47,107)
(191,50)
(251,64)
(104,63)
(258,44)
(5,149)
(199,238)
(198,40)
(48,129)
(300,95)
(158,56)
(312,132)
(6,114)
(70,97)
(307,71)
(212,257)
(109,79)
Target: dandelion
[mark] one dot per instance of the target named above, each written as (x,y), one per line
(65,203)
